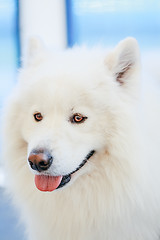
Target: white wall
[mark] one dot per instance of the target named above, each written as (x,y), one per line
(45,19)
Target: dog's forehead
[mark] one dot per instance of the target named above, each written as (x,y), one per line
(63,84)
(66,90)
(66,80)
(60,92)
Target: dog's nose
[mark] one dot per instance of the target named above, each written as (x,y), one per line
(40,160)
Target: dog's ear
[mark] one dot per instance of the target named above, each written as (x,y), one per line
(123,62)
(35,51)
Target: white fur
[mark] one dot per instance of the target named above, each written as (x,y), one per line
(116,195)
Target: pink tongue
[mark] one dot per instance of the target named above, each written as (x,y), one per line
(47,183)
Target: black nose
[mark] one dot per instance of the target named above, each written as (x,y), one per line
(40,160)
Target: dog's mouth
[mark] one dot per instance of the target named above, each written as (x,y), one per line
(50,183)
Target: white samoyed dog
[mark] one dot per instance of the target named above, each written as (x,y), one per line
(82,145)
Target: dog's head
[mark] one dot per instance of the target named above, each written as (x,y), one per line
(71,105)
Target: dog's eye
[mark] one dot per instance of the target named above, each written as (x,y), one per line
(78,118)
(38,116)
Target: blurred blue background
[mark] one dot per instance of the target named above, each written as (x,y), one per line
(87,22)
(109,21)
(9,45)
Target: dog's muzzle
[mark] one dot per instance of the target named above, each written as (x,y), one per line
(40,160)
